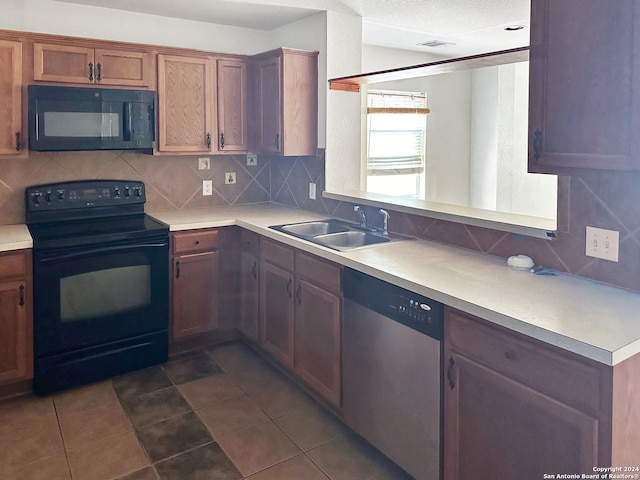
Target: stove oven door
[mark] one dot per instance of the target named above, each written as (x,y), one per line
(93,304)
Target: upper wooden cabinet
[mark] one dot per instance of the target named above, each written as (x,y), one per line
(584,108)
(284,111)
(231,100)
(75,64)
(185,103)
(12,141)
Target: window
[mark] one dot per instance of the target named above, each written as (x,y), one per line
(396,133)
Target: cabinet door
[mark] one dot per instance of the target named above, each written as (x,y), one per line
(268,98)
(249,295)
(276,312)
(299,135)
(584,108)
(232,105)
(195,296)
(11,139)
(115,67)
(16,337)
(185,97)
(63,63)
(317,340)
(495,427)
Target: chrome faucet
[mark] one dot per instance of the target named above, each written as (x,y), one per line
(361,215)
(385,221)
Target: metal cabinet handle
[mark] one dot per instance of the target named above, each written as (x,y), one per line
(221,140)
(177,268)
(254,270)
(537,144)
(452,364)
(208,141)
(99,73)
(91,71)
(277,141)
(299,294)
(18,142)
(22,295)
(289,286)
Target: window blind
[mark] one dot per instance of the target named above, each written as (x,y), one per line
(396,130)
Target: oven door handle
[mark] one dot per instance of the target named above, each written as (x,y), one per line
(117,248)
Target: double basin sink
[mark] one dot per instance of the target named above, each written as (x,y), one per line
(335,234)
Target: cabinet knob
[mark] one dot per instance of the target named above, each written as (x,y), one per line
(509,355)
(197,242)
(537,144)
(452,364)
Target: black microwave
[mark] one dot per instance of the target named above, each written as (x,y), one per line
(76,118)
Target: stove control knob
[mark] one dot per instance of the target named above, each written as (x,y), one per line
(61,195)
(127,192)
(116,192)
(47,197)
(35,197)
(137,191)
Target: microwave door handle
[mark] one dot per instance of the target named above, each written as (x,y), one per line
(127,119)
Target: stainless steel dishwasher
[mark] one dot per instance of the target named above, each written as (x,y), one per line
(391,371)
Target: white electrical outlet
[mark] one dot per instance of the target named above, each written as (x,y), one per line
(207,187)
(312,191)
(602,243)
(230,178)
(204,163)
(252,159)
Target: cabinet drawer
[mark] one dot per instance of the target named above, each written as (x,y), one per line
(563,377)
(14,265)
(318,271)
(277,254)
(249,242)
(201,240)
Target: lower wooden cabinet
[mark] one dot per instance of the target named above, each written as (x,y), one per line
(16,317)
(318,320)
(249,300)
(300,316)
(195,294)
(515,407)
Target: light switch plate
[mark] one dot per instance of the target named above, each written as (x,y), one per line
(230,178)
(312,191)
(252,159)
(601,243)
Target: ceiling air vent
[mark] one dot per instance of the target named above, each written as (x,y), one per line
(435,44)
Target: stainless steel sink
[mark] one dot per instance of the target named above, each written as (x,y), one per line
(336,234)
(350,240)
(312,229)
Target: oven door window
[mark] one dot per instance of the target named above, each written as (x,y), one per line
(104,292)
(92,296)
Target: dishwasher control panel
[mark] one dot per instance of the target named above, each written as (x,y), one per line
(411,309)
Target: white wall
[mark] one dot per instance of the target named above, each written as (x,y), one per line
(344,109)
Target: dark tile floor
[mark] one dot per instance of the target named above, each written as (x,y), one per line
(221,414)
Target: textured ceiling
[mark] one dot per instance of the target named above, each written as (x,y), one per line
(473,25)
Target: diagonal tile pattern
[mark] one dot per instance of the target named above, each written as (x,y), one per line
(223,413)
(601,199)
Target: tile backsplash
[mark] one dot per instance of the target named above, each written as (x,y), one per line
(601,199)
